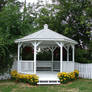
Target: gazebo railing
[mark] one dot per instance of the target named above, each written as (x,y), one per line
(48,65)
(26,66)
(68,66)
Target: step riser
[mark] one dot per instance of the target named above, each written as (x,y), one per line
(48,82)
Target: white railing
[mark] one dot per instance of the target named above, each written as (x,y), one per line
(56,65)
(26,66)
(85,70)
(68,66)
(48,65)
(44,63)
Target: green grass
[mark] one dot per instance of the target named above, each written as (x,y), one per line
(81,85)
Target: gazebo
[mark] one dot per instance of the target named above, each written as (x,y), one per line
(46,38)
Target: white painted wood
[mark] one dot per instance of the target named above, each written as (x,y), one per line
(52,60)
(45,83)
(46,35)
(44,64)
(18,52)
(35,47)
(56,66)
(48,38)
(27,67)
(61,58)
(26,61)
(19,65)
(67,54)
(52,51)
(47,75)
(60,44)
(35,44)
(67,66)
(85,70)
(73,53)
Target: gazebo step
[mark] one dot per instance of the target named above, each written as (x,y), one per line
(48,82)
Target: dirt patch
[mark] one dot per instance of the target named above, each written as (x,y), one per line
(7,83)
(23,85)
(14,90)
(19,85)
(60,89)
(68,90)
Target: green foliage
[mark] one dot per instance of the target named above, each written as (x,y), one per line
(82,56)
(5,60)
(72,19)
(67,77)
(44,55)
(2,4)
(69,17)
(89,56)
(13,25)
(32,79)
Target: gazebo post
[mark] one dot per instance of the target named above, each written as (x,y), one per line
(19,46)
(35,44)
(60,44)
(68,54)
(73,52)
(52,58)
(35,47)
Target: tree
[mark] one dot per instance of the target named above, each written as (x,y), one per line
(13,25)
(2,4)
(69,17)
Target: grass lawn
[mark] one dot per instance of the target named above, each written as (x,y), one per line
(81,85)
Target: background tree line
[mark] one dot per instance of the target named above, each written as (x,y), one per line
(72,18)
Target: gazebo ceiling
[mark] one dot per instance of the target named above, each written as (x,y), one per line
(46,35)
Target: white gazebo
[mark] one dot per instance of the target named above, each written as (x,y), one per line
(46,38)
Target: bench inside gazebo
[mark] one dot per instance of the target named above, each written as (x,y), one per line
(46,70)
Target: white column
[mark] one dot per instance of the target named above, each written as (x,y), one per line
(68,54)
(52,55)
(52,59)
(35,57)
(18,52)
(60,44)
(73,53)
(35,44)
(19,65)
(61,57)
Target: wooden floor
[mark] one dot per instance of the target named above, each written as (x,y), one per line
(47,77)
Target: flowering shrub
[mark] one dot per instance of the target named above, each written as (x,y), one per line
(26,78)
(66,77)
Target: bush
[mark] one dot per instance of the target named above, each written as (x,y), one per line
(66,77)
(32,79)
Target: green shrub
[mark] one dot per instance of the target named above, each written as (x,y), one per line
(26,78)
(66,77)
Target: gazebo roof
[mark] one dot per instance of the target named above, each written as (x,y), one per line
(46,35)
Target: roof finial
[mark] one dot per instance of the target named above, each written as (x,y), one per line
(45,26)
